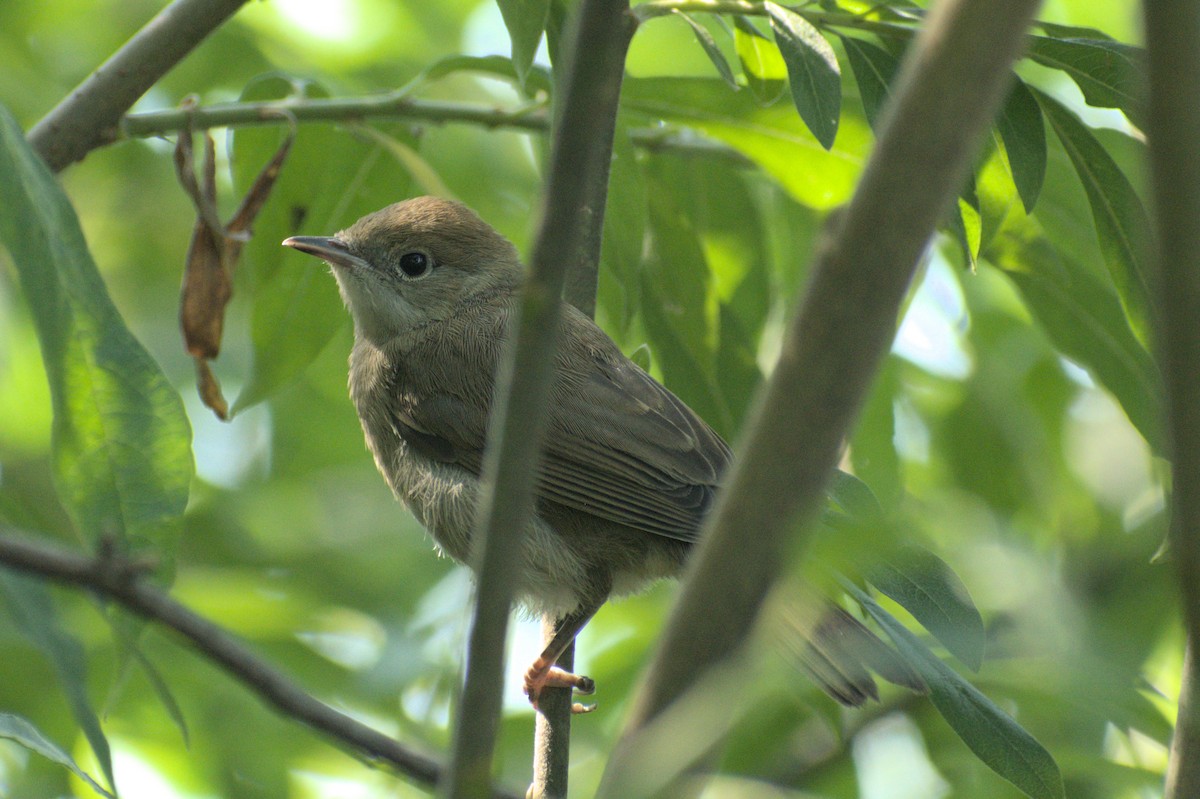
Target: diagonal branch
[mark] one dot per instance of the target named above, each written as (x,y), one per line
(579,161)
(89,115)
(121,581)
(947,93)
(1172,29)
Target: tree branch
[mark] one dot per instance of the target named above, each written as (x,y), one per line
(1172,30)
(579,162)
(948,90)
(121,581)
(533,119)
(88,117)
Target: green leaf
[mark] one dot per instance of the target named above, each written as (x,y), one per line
(32,608)
(424,176)
(122,443)
(1110,74)
(1084,319)
(928,588)
(330,180)
(535,78)
(813,72)
(1122,224)
(20,730)
(997,740)
(873,69)
(772,137)
(762,64)
(624,233)
(966,225)
(1024,136)
(711,49)
(675,297)
(853,498)
(525,20)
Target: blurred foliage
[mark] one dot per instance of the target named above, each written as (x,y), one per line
(1014,431)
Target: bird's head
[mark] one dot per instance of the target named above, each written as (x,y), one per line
(412,263)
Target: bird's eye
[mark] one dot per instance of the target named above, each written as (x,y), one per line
(415,264)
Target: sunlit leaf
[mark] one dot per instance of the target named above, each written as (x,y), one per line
(20,730)
(997,740)
(813,72)
(773,137)
(928,588)
(762,64)
(122,443)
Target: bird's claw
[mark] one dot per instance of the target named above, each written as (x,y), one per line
(539,677)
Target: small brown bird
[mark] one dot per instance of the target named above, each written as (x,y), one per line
(628,472)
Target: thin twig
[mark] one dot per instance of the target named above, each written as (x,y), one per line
(88,117)
(436,112)
(579,161)
(1172,30)
(949,87)
(121,581)
(333,109)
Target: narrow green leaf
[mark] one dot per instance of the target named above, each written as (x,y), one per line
(122,443)
(873,69)
(1024,136)
(1109,73)
(711,49)
(1084,319)
(424,175)
(997,740)
(536,78)
(966,226)
(32,608)
(928,588)
(20,730)
(675,296)
(1072,32)
(853,498)
(813,72)
(763,66)
(624,233)
(525,20)
(1122,224)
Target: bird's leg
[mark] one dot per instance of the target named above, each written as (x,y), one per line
(544,674)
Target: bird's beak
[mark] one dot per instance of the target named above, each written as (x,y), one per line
(327,248)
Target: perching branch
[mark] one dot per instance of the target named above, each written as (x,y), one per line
(578,172)
(1172,30)
(950,85)
(88,117)
(119,580)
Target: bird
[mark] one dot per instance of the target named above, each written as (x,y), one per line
(628,472)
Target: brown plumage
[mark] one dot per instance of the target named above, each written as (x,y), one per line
(628,472)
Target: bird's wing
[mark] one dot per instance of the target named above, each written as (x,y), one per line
(620,447)
(624,448)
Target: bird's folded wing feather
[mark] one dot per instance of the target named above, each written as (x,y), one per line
(620,447)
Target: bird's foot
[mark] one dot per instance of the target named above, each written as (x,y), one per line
(545,675)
